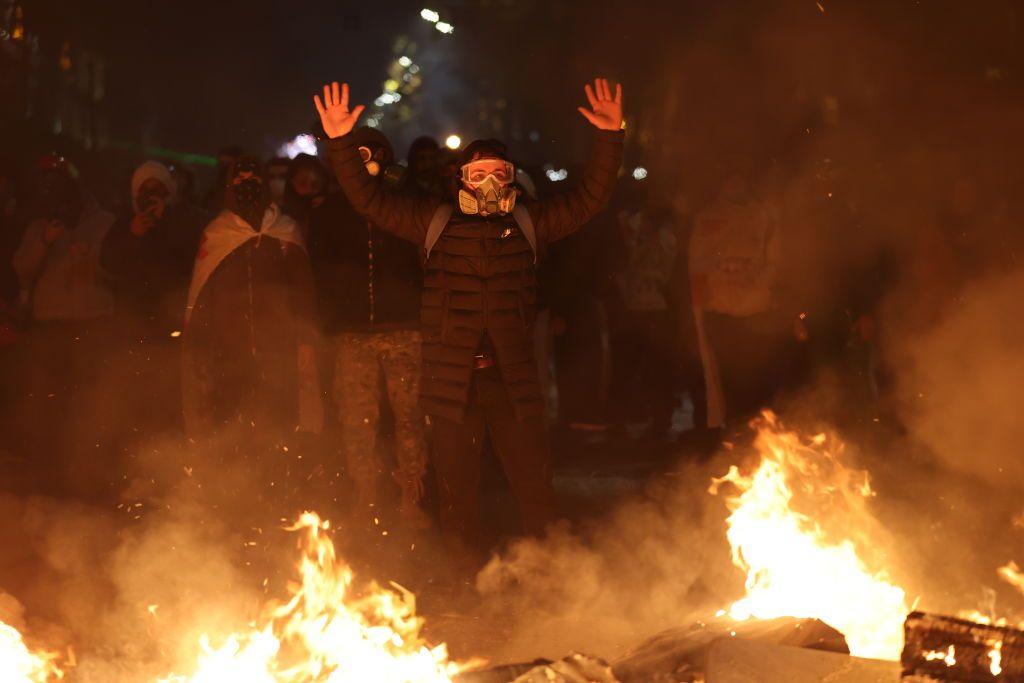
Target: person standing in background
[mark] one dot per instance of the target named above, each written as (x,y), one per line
(70,301)
(368,285)
(249,339)
(745,331)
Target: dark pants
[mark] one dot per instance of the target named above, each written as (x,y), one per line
(644,375)
(756,357)
(520,445)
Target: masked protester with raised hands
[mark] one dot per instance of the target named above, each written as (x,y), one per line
(480,248)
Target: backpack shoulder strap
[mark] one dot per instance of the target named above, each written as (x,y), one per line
(525,223)
(438,221)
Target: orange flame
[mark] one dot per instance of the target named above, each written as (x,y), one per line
(19,664)
(794,568)
(326,633)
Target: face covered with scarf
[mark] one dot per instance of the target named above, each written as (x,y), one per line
(247,194)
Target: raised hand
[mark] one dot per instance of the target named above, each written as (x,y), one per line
(333,109)
(605,111)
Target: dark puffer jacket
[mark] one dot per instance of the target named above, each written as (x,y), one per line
(479,289)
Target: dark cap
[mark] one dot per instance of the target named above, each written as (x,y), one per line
(364,136)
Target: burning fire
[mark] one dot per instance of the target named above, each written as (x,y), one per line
(327,632)
(18,664)
(794,567)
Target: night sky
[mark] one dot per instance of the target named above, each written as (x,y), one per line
(193,76)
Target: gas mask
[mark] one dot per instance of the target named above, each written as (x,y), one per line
(370,161)
(488,187)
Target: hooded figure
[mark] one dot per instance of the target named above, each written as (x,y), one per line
(368,284)
(150,252)
(305,188)
(422,176)
(58,262)
(249,338)
(479,294)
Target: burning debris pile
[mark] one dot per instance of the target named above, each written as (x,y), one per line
(327,631)
(819,604)
(794,566)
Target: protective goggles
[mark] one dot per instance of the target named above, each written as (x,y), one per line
(476,171)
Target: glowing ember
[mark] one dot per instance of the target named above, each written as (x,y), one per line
(1011,574)
(18,664)
(947,657)
(793,567)
(327,633)
(995,658)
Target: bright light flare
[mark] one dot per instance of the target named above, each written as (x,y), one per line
(404,62)
(794,567)
(453,141)
(639,173)
(444,27)
(556,175)
(430,15)
(304,143)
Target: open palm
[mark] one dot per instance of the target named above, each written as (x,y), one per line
(334,113)
(605,110)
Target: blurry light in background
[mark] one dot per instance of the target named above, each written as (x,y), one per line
(453,142)
(405,62)
(444,27)
(391,85)
(555,174)
(639,173)
(304,143)
(430,15)
(387,98)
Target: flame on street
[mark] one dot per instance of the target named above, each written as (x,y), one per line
(19,664)
(326,632)
(793,567)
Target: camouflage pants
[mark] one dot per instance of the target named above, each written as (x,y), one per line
(361,358)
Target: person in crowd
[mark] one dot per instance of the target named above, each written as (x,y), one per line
(746,332)
(57,261)
(421,176)
(149,255)
(277,178)
(305,188)
(70,303)
(249,338)
(151,251)
(480,249)
(368,284)
(643,332)
(9,240)
(226,158)
(184,184)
